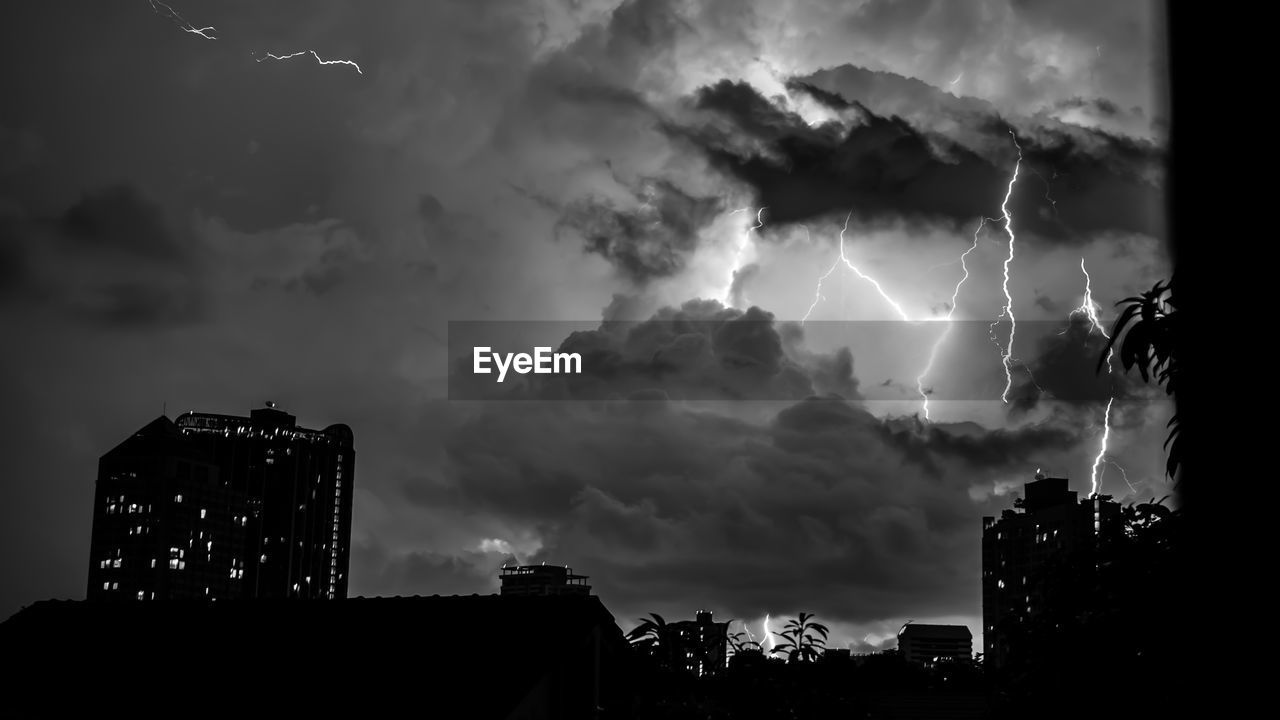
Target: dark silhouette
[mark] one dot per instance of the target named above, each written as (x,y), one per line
(804,639)
(218,507)
(1104,613)
(485,657)
(1151,344)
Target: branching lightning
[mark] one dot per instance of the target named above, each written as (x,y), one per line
(180,21)
(1007,355)
(849,264)
(1123,473)
(933,353)
(1089,309)
(768,636)
(313,53)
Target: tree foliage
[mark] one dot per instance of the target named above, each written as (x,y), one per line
(803,639)
(1150,328)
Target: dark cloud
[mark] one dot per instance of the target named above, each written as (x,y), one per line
(888,94)
(650,241)
(1101,106)
(885,167)
(110,259)
(825,506)
(120,219)
(1064,370)
(142,304)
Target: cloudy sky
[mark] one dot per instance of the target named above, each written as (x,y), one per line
(190,223)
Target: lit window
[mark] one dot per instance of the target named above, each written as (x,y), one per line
(153,563)
(202,513)
(141,595)
(177,498)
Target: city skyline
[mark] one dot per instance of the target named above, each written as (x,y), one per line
(194,223)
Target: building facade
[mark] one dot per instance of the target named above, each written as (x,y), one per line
(542,580)
(220,506)
(928,644)
(700,646)
(1045,528)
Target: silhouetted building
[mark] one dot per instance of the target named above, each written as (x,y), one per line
(837,654)
(166,523)
(700,646)
(220,507)
(542,580)
(927,644)
(460,656)
(1046,525)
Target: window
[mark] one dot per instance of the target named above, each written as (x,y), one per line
(202,513)
(177,498)
(141,595)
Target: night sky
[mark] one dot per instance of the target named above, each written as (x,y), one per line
(189,224)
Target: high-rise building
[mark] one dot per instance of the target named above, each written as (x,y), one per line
(219,506)
(922,643)
(1047,527)
(542,580)
(700,646)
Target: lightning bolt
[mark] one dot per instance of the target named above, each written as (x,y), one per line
(1089,309)
(933,353)
(1123,473)
(849,264)
(768,635)
(1048,190)
(180,21)
(742,250)
(1094,481)
(953,82)
(322,61)
(1007,355)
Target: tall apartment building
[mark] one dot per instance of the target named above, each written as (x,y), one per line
(700,646)
(221,506)
(1045,526)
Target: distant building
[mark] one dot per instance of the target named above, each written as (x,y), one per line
(513,658)
(542,580)
(701,646)
(927,644)
(220,507)
(1045,525)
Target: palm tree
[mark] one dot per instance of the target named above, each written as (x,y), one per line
(803,639)
(652,637)
(1151,345)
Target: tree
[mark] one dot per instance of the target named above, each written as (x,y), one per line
(653,637)
(1151,344)
(803,639)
